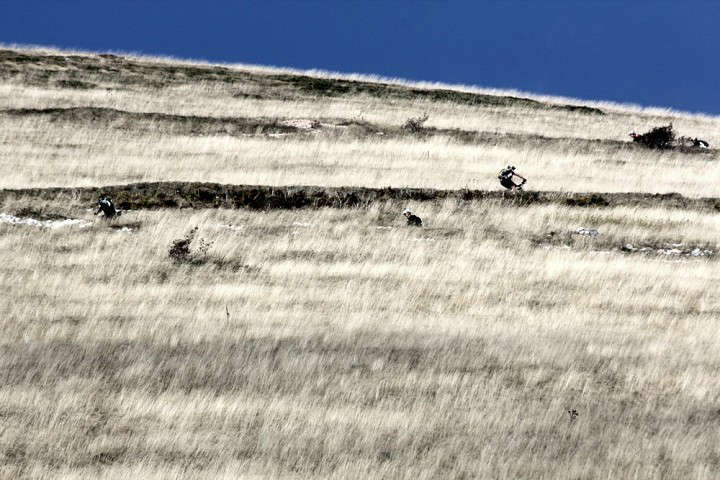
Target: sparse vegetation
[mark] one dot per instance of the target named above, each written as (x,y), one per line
(180,249)
(415,124)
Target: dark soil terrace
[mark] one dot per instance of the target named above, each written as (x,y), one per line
(213,195)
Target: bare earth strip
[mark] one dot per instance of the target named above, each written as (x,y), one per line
(211,195)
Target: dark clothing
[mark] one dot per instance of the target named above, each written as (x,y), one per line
(414,220)
(507,183)
(106,206)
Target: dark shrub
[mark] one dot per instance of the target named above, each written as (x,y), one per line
(180,248)
(415,124)
(659,137)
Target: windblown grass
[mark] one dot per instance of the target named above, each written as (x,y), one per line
(36,152)
(356,346)
(40,151)
(340,343)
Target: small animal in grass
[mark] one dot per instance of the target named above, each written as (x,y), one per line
(573,414)
(106,206)
(413,220)
(507,178)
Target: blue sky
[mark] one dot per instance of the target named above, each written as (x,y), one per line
(652,53)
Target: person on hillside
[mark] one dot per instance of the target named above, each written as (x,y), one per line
(106,206)
(507,178)
(413,220)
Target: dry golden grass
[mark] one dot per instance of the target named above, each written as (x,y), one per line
(342,343)
(353,351)
(38,152)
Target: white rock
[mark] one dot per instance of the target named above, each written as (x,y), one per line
(588,232)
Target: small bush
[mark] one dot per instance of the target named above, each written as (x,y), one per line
(685,142)
(659,137)
(180,250)
(203,247)
(415,124)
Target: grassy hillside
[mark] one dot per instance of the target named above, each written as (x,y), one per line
(309,333)
(83,120)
